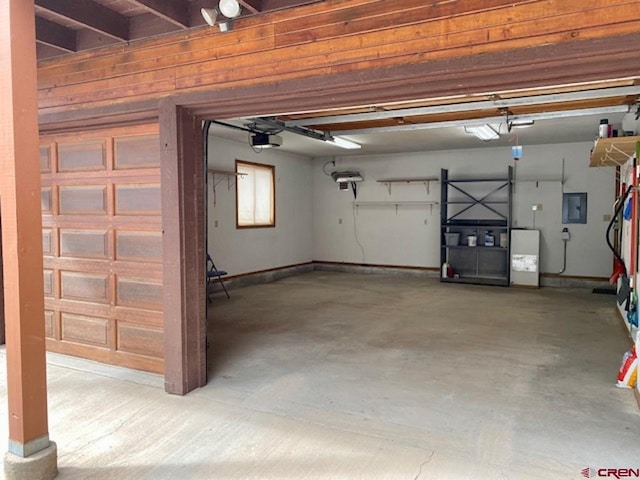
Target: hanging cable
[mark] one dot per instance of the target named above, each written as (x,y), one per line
(616,212)
(355,233)
(324,167)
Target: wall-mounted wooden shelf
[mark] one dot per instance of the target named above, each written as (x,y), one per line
(395,204)
(614,151)
(426,181)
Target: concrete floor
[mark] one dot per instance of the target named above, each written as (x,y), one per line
(343,376)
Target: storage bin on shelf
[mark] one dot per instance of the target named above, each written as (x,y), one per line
(452,238)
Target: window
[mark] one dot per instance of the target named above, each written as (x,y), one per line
(255,195)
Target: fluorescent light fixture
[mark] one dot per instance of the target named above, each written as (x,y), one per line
(210,15)
(344,143)
(229,8)
(483,132)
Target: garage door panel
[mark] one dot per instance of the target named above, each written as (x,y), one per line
(45,159)
(102,245)
(138,292)
(49,324)
(137,152)
(45,200)
(47,241)
(83,156)
(138,199)
(140,339)
(48,283)
(139,246)
(83,200)
(84,243)
(85,329)
(89,287)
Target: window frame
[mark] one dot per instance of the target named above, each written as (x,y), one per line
(273,193)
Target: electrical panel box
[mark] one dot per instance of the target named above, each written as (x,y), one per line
(525,258)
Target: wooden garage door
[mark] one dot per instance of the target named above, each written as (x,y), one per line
(102,243)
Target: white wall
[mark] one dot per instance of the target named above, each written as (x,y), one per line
(253,249)
(411,236)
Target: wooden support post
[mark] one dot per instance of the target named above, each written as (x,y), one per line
(2,337)
(30,452)
(184,253)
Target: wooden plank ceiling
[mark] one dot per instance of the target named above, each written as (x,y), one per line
(64,26)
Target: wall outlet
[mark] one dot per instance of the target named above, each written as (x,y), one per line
(215,223)
(606,218)
(537,207)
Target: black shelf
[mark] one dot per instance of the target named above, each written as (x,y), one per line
(493,281)
(476,180)
(480,247)
(469,202)
(483,265)
(477,223)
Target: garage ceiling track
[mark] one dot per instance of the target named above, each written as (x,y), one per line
(524,104)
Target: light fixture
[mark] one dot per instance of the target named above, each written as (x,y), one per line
(522,123)
(346,180)
(346,177)
(210,15)
(229,8)
(226,26)
(483,132)
(344,143)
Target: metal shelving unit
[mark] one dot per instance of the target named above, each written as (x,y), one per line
(475,206)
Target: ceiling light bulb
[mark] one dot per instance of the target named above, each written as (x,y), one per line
(344,143)
(229,8)
(210,15)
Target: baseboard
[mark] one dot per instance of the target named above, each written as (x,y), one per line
(263,276)
(576,277)
(399,270)
(272,274)
(573,281)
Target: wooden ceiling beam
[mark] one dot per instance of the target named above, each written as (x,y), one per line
(54,35)
(269,5)
(173,11)
(88,14)
(254,6)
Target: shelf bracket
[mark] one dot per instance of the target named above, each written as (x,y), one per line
(231,180)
